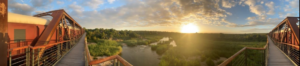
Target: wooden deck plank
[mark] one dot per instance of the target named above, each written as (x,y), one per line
(75,57)
(276,57)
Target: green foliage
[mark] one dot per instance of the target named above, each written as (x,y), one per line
(161,48)
(154,47)
(131,42)
(95,34)
(219,62)
(209,62)
(105,48)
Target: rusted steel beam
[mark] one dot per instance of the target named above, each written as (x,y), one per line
(124,62)
(70,18)
(292,22)
(3,33)
(102,60)
(43,14)
(50,29)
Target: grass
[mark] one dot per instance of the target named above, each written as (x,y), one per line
(205,47)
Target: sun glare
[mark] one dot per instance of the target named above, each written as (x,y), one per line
(189,28)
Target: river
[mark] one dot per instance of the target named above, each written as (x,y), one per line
(142,55)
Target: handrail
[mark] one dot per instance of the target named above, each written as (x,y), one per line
(87,52)
(23,47)
(124,62)
(18,48)
(295,46)
(90,61)
(232,57)
(239,52)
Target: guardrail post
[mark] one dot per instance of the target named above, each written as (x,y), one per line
(246,57)
(38,58)
(27,57)
(119,63)
(9,58)
(32,59)
(264,56)
(115,62)
(58,51)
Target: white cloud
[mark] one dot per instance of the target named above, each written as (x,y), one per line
(270,5)
(20,8)
(156,12)
(257,30)
(40,3)
(38,12)
(262,2)
(257,22)
(76,8)
(257,9)
(294,3)
(250,2)
(251,18)
(111,1)
(59,2)
(228,3)
(94,4)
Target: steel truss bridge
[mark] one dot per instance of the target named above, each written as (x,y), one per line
(281,49)
(70,47)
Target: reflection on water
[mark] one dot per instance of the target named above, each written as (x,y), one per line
(161,40)
(140,55)
(172,43)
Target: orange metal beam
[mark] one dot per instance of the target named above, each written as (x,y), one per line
(48,32)
(124,62)
(3,32)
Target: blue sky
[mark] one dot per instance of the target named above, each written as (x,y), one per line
(211,16)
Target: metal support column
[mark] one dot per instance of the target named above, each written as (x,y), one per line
(3,32)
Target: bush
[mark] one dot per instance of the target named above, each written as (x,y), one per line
(131,42)
(141,42)
(105,48)
(154,47)
(209,62)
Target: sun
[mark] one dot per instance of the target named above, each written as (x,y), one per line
(189,28)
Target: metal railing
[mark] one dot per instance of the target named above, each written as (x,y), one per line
(45,55)
(290,50)
(117,60)
(248,57)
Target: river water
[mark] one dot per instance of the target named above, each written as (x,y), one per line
(140,55)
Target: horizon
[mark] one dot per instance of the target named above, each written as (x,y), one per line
(228,16)
(181,32)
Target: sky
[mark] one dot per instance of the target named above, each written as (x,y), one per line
(211,16)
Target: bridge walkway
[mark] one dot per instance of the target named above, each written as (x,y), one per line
(75,57)
(276,57)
